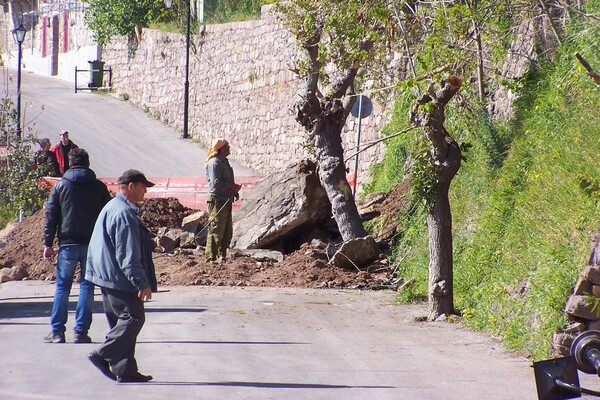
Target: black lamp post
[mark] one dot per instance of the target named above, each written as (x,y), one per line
(19,35)
(186,85)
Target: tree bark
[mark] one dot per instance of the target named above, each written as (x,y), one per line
(445,158)
(324,117)
(332,174)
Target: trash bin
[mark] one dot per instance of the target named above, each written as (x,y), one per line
(96,73)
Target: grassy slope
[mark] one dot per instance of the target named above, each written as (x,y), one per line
(522,222)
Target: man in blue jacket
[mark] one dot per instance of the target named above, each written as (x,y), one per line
(70,213)
(120,262)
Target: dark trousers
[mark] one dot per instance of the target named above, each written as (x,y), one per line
(126,315)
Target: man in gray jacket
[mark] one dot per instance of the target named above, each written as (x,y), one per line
(119,260)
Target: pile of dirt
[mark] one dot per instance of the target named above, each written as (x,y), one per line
(21,247)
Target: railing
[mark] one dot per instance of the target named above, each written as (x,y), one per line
(96,77)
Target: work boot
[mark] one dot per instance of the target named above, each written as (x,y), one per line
(82,338)
(55,338)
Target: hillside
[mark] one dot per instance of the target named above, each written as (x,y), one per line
(525,202)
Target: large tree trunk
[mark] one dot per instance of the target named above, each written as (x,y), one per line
(441,281)
(324,117)
(446,156)
(332,173)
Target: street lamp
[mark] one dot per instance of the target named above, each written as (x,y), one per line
(186,85)
(19,35)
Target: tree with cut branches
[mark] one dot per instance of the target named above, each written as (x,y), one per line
(337,40)
(445,153)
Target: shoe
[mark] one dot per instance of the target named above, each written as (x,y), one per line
(102,365)
(137,378)
(82,338)
(55,338)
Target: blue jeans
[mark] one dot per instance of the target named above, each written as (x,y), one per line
(68,258)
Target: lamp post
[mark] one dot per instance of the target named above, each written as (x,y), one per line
(186,85)
(19,36)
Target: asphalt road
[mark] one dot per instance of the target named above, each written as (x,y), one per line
(116,134)
(260,344)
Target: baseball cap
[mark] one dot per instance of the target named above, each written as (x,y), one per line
(133,175)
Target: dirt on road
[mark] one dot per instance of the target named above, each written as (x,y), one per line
(22,246)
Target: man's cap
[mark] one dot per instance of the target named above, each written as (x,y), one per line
(64,131)
(133,175)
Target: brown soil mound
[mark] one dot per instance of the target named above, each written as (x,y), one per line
(22,248)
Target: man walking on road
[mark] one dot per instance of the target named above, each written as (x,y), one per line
(222,191)
(61,151)
(120,262)
(71,211)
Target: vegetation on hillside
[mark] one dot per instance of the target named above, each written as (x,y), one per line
(19,188)
(526,201)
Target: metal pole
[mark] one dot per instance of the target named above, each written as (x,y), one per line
(360,98)
(19,92)
(186,93)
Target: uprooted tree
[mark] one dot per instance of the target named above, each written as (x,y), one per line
(336,39)
(445,158)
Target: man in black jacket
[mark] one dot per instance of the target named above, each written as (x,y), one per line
(71,212)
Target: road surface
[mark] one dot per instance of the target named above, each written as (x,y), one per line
(216,343)
(116,134)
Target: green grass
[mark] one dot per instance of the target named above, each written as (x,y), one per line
(525,204)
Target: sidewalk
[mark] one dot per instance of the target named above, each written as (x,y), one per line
(260,343)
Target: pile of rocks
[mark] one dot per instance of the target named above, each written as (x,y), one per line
(192,233)
(583,305)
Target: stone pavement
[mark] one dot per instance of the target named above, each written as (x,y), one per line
(260,343)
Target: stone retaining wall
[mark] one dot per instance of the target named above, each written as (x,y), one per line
(240,88)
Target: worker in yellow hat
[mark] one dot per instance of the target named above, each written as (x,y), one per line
(222,192)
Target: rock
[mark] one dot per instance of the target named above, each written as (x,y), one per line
(582,286)
(366,205)
(16,273)
(574,327)
(595,246)
(356,253)
(192,222)
(167,243)
(592,273)
(582,306)
(561,343)
(187,240)
(262,255)
(281,208)
(318,244)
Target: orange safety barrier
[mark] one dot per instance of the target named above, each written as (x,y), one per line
(190,191)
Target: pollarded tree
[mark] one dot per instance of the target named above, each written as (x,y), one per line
(445,157)
(337,40)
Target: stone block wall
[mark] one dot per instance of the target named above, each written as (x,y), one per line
(240,88)
(583,305)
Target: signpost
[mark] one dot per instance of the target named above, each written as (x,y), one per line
(362,108)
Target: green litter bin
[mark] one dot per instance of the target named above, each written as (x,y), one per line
(96,73)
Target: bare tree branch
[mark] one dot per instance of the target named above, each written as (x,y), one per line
(575,10)
(589,69)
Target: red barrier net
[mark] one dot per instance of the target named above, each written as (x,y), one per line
(190,191)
